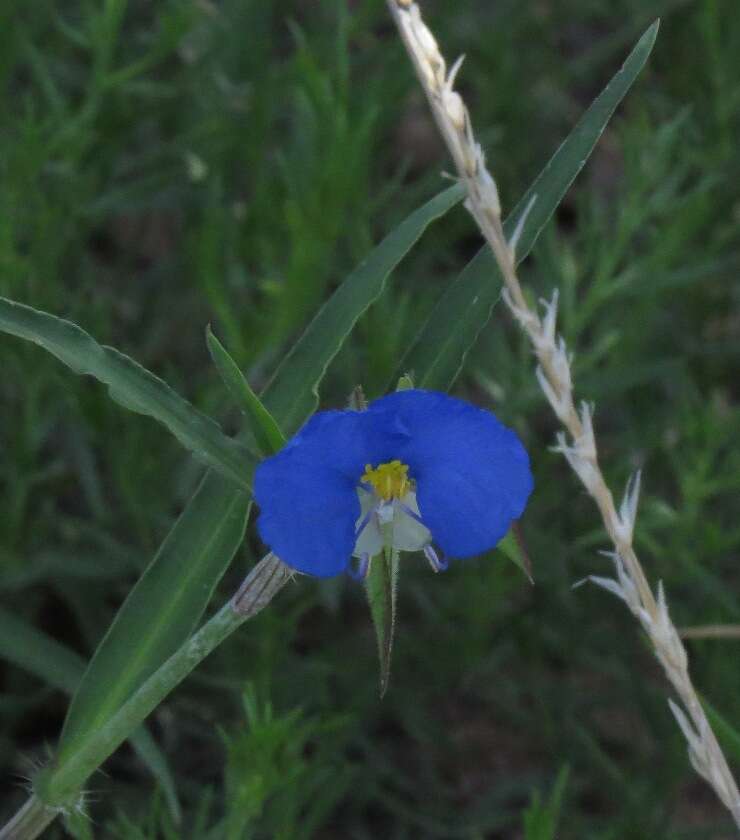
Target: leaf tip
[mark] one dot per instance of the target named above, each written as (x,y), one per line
(384,680)
(651,33)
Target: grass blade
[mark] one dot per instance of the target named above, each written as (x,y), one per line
(162,610)
(39,654)
(156,761)
(541,819)
(265,429)
(130,385)
(437,356)
(293,393)
(54,663)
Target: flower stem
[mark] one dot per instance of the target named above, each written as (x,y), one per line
(29,822)
(60,784)
(70,775)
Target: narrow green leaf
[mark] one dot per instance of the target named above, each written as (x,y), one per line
(43,656)
(512,545)
(156,761)
(163,608)
(380,587)
(293,393)
(262,424)
(541,820)
(130,385)
(439,352)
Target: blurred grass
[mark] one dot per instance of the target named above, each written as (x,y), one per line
(167,165)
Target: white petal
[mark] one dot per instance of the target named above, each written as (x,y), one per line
(408,533)
(370,541)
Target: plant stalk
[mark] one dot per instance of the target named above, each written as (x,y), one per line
(29,822)
(60,784)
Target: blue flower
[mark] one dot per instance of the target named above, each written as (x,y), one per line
(417,468)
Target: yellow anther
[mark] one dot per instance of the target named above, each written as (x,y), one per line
(390,481)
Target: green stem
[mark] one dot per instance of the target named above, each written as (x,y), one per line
(265,580)
(68,777)
(29,822)
(60,784)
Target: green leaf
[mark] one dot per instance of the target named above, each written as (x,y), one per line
(380,587)
(163,608)
(512,545)
(292,394)
(130,385)
(54,663)
(437,356)
(262,424)
(152,756)
(31,649)
(541,820)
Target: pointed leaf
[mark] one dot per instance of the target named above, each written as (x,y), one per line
(541,819)
(262,424)
(31,649)
(512,545)
(292,394)
(380,587)
(464,309)
(130,385)
(163,608)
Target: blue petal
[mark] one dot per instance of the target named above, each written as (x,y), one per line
(307,519)
(340,441)
(472,473)
(307,493)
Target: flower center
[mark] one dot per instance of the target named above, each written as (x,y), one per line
(390,480)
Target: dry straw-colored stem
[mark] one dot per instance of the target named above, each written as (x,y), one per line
(577,443)
(711,631)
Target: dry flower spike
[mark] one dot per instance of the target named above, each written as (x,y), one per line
(555,378)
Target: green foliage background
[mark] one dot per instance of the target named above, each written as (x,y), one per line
(167,165)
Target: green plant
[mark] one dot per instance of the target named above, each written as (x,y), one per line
(149,161)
